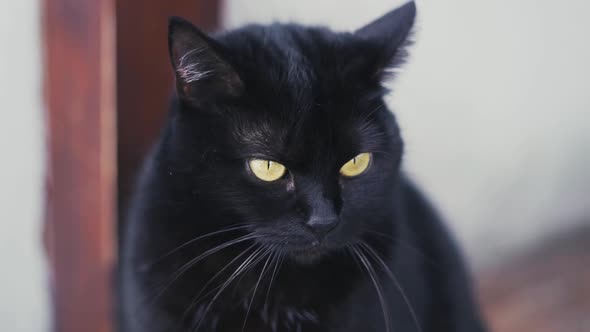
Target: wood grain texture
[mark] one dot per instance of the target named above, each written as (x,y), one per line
(79,86)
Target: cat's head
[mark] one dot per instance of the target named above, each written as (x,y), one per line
(283,128)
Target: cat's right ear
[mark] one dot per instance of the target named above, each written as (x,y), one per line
(201,72)
(391,35)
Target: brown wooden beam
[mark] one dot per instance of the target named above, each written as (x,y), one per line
(79,70)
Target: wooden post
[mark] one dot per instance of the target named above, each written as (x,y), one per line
(79,69)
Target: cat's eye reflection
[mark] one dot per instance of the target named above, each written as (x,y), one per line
(357,165)
(267,170)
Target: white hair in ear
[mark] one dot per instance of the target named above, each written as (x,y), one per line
(190,69)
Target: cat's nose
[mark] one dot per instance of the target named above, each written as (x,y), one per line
(322,213)
(322,225)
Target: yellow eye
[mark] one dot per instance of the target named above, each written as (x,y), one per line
(357,165)
(267,170)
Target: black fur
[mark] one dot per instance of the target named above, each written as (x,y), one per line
(310,99)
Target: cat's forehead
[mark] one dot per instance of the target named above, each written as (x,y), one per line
(302,95)
(291,61)
(315,131)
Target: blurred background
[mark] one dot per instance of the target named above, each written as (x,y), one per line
(494,106)
(23,278)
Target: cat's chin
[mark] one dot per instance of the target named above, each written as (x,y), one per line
(309,255)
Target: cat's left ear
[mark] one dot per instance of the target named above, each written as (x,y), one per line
(390,35)
(202,74)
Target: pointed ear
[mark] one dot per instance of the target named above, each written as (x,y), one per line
(390,35)
(201,72)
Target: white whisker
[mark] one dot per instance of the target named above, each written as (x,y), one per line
(180,271)
(368,267)
(225,230)
(255,289)
(198,297)
(252,260)
(395,281)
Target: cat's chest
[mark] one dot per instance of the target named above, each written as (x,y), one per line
(283,318)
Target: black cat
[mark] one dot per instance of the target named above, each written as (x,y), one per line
(274,200)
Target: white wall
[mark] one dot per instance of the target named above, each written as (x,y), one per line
(494,105)
(23,294)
